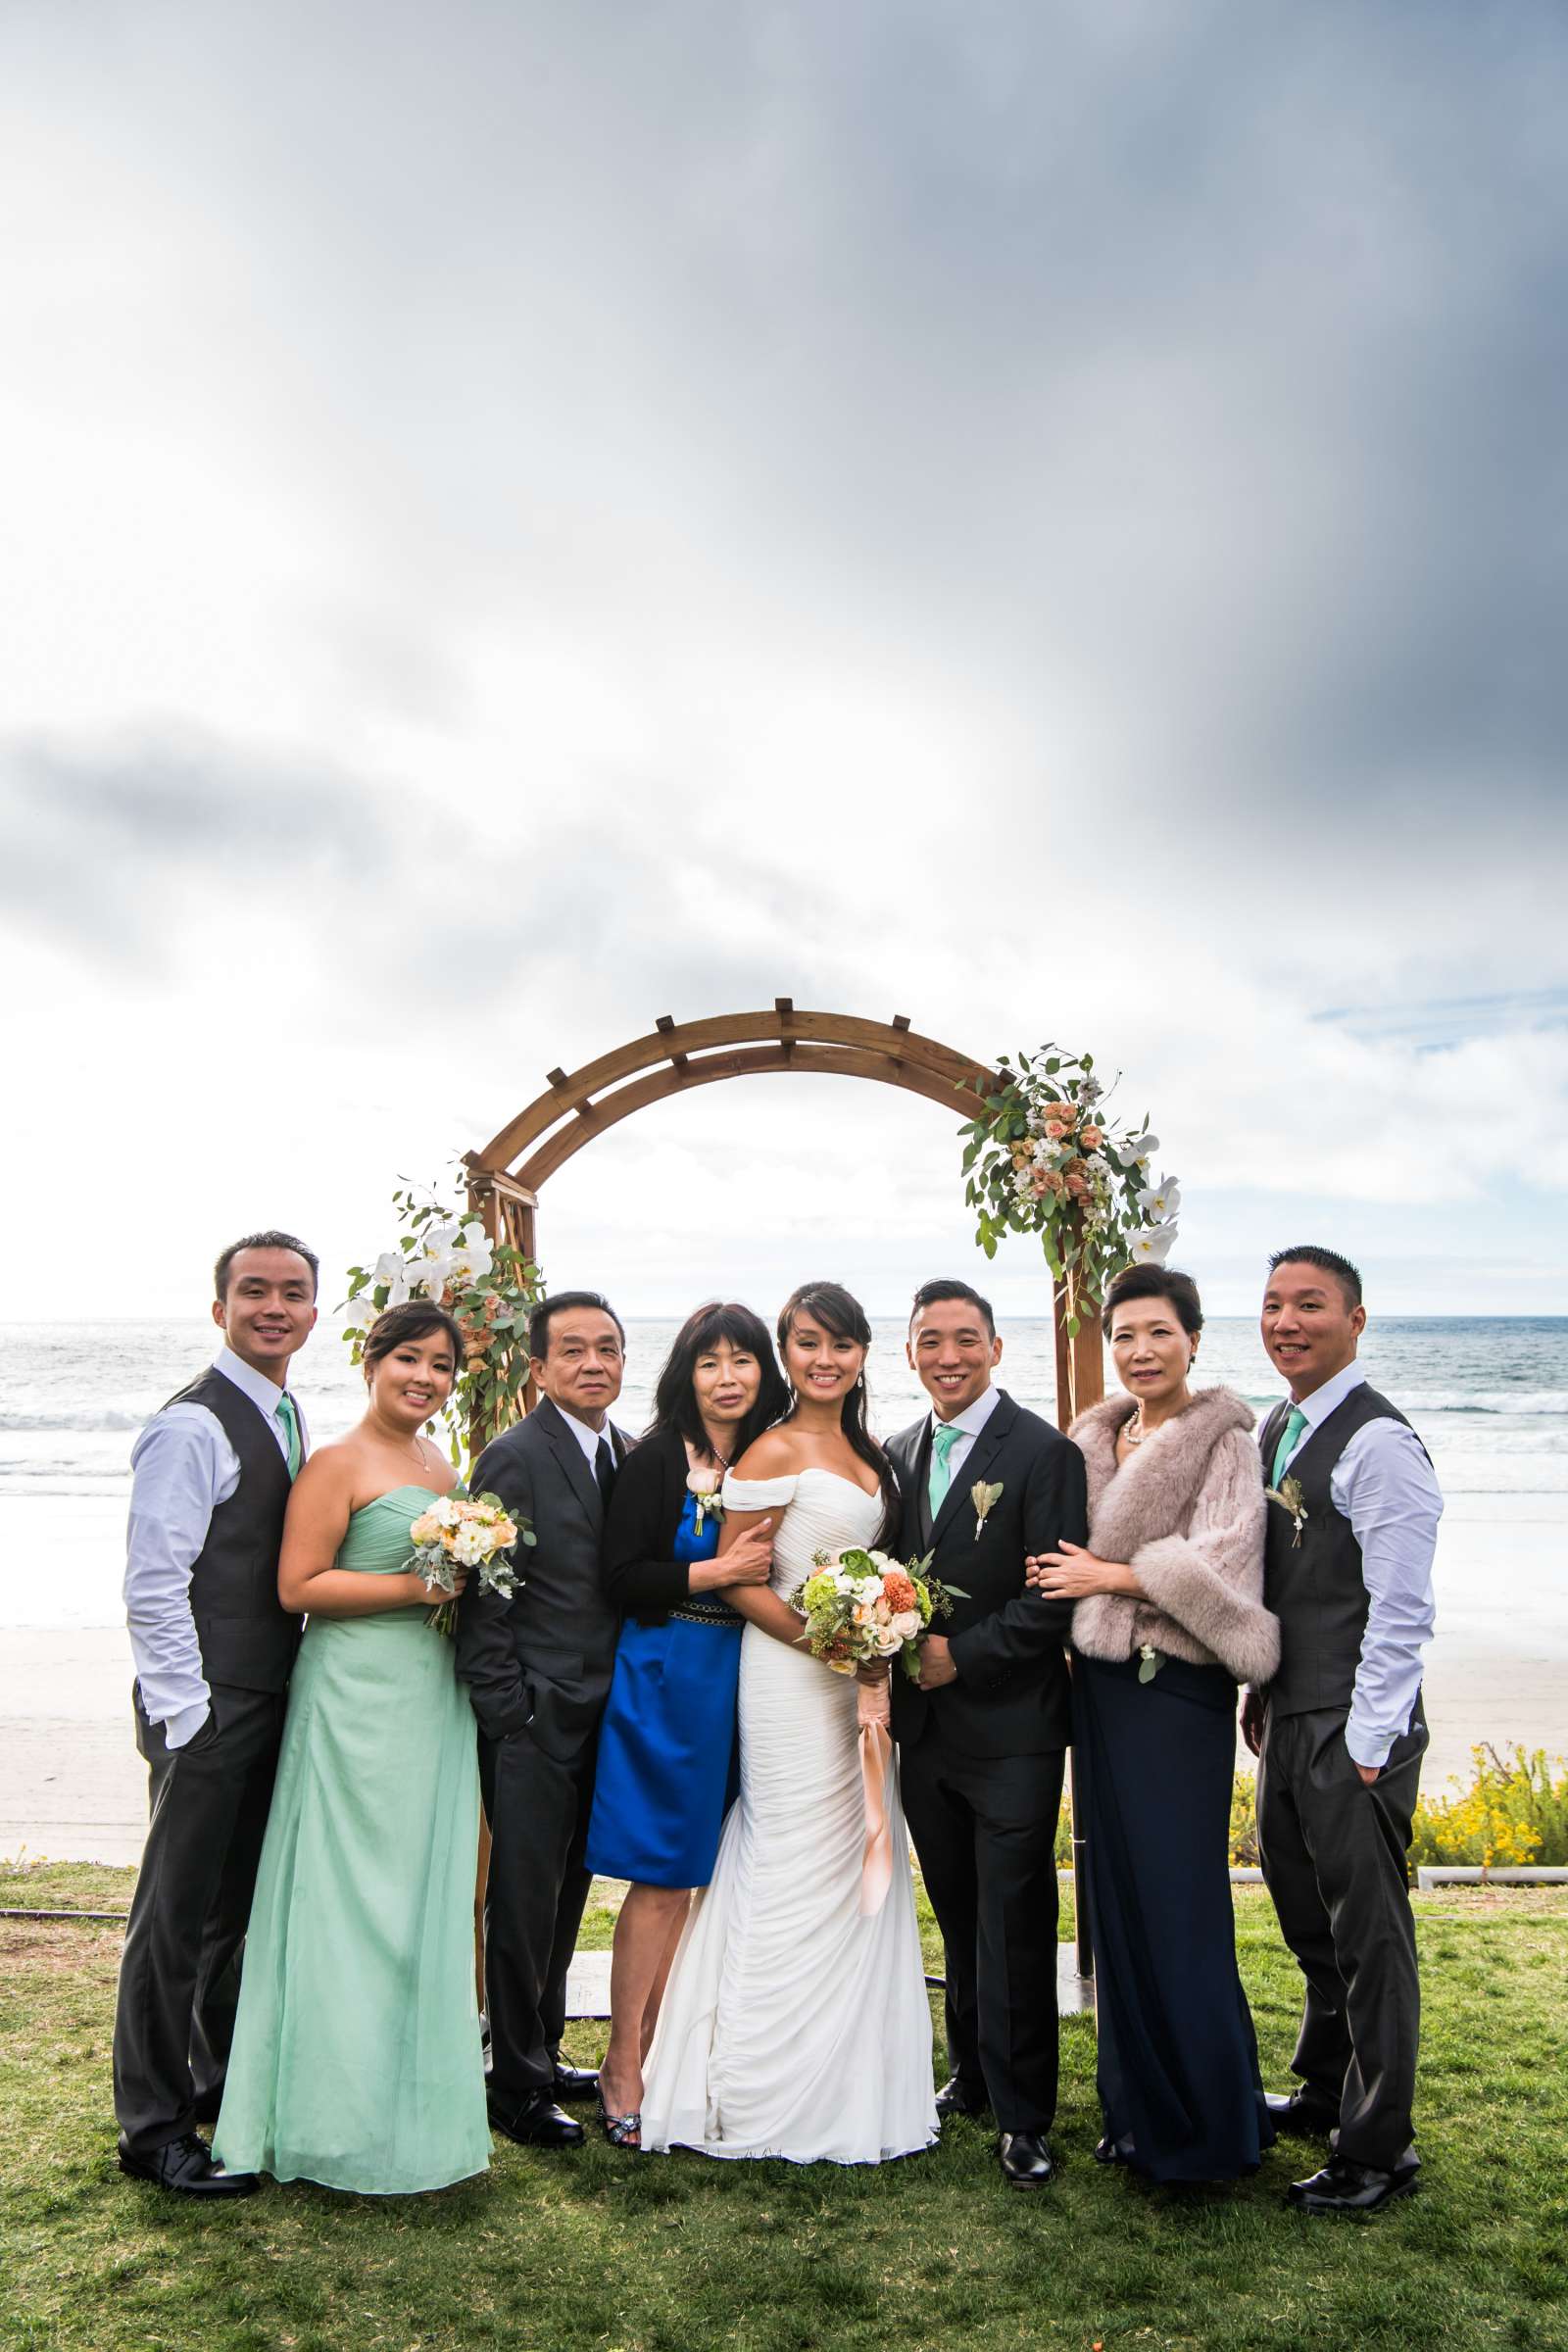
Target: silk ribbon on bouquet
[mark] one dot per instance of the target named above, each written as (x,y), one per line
(877,1763)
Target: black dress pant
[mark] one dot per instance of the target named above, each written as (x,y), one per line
(538,1811)
(1333,1849)
(180,1972)
(984,1831)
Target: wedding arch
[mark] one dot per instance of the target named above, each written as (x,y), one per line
(505,1178)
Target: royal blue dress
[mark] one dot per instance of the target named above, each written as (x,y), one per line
(666,1773)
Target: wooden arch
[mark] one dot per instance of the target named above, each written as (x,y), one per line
(505,1178)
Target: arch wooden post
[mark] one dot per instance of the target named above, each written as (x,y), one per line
(505,1178)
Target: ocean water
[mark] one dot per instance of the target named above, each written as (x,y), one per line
(1489,1395)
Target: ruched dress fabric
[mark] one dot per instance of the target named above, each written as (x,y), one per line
(795,2024)
(357,2059)
(667,1747)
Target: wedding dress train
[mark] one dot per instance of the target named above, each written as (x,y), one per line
(794,2023)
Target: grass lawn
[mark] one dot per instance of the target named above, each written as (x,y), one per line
(590,2248)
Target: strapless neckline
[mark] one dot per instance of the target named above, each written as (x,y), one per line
(815,1470)
(430,1495)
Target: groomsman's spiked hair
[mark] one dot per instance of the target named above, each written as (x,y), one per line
(271,1239)
(1327,1262)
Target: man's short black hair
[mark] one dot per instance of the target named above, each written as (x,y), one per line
(557,1304)
(1328,1262)
(931,1293)
(270,1240)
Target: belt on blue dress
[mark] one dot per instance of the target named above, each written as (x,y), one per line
(706,1612)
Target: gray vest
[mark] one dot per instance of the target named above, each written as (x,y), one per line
(1316,1586)
(247,1637)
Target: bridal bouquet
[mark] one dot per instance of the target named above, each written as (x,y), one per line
(464,1531)
(860,1606)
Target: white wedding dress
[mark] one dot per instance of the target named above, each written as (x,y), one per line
(794,2024)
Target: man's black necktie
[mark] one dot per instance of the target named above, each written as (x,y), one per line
(605,1469)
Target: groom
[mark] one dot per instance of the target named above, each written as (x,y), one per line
(538,1671)
(982,1735)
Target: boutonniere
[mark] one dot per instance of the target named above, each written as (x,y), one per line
(1150,1661)
(984,1499)
(710,1501)
(1289,1494)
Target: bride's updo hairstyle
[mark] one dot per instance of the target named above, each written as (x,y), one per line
(676,1396)
(840,1313)
(415,1319)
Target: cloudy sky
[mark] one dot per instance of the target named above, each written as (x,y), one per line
(1050,516)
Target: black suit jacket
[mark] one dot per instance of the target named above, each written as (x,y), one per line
(1010,1697)
(542,1661)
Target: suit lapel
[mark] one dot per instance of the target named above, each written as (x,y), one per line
(908,1453)
(573,1461)
(982,1453)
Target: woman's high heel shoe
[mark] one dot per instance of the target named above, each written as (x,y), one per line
(621,2131)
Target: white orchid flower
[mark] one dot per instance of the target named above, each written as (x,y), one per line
(438,1240)
(472,1259)
(1140,1151)
(1162,1201)
(1151,1247)
(397,1283)
(389,1265)
(429,1275)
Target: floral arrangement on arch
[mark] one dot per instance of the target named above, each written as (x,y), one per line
(444,1254)
(1046,1157)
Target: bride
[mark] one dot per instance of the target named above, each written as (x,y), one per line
(795,2021)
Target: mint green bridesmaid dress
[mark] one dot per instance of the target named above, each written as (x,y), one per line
(357,2059)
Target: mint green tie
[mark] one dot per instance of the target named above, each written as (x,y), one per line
(947,1437)
(1293,1429)
(291,1419)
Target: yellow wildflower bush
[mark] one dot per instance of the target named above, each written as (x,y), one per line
(1513,1813)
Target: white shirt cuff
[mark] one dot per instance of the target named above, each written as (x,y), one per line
(180,1730)
(1367,1746)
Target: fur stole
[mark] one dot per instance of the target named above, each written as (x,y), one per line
(1186,1512)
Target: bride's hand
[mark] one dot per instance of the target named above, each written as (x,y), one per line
(748,1561)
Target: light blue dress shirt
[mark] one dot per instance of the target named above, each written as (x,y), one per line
(182,1467)
(1385,1485)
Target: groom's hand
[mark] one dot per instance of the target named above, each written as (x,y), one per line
(936,1663)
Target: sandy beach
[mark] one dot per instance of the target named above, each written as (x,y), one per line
(72,1787)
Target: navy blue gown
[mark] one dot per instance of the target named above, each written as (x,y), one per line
(666,1774)
(1178,2072)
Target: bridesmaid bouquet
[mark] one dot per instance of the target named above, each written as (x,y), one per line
(464,1531)
(860,1606)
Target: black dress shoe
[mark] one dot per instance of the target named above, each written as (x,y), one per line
(574,2081)
(185,2166)
(537,2123)
(1345,2186)
(1300,2114)
(1025,2159)
(956,2097)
